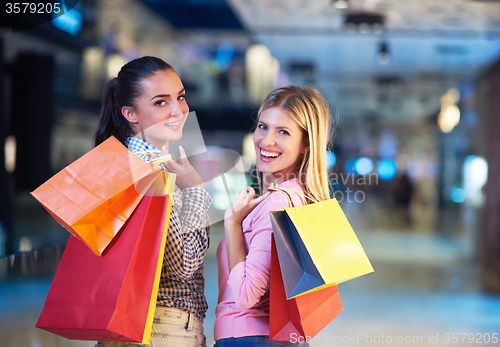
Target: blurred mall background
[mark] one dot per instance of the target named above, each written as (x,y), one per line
(415,88)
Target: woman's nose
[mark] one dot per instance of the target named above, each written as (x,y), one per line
(176,108)
(268,139)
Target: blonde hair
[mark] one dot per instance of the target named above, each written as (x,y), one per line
(310,110)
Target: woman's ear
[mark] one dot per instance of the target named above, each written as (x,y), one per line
(306,145)
(129,114)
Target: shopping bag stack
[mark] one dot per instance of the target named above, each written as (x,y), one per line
(94,196)
(117,207)
(314,249)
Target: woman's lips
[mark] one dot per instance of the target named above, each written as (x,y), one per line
(268,155)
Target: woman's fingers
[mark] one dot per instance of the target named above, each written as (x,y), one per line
(183,160)
(183,157)
(182,152)
(244,204)
(186,175)
(250,193)
(260,198)
(164,150)
(173,166)
(245,197)
(250,198)
(242,195)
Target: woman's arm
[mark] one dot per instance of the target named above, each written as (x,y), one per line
(233,219)
(235,244)
(189,226)
(187,240)
(249,278)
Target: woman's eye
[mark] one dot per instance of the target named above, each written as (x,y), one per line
(160,102)
(284,132)
(262,126)
(181,97)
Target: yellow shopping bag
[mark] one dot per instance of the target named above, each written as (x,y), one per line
(317,247)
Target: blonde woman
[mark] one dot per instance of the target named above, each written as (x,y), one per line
(291,137)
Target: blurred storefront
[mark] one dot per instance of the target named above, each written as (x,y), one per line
(488,89)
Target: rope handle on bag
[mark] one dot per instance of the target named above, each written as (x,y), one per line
(284,192)
(157,160)
(301,194)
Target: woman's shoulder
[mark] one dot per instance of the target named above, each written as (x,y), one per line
(277,200)
(292,189)
(292,184)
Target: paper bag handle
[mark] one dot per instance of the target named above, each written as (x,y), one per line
(301,194)
(286,194)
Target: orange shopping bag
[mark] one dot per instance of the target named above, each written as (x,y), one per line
(93,196)
(111,297)
(302,317)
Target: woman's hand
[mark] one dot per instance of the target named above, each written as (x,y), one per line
(233,230)
(243,205)
(187,176)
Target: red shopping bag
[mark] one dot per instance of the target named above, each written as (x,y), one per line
(93,196)
(303,316)
(111,297)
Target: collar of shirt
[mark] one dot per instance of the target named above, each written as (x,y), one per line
(135,145)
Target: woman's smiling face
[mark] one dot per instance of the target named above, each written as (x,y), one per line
(279,144)
(161,110)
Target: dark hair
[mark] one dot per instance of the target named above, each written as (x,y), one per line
(123,91)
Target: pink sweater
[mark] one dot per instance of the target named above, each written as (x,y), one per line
(243,304)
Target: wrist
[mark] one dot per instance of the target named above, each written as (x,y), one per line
(231,224)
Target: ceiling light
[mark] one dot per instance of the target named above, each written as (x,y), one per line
(342,4)
(448,118)
(450,97)
(114,64)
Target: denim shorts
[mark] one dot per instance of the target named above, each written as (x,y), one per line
(171,327)
(255,341)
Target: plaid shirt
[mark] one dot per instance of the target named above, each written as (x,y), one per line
(182,283)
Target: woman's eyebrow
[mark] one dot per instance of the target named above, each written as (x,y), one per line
(161,96)
(167,95)
(277,127)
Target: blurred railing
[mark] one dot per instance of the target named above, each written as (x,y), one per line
(25,280)
(37,264)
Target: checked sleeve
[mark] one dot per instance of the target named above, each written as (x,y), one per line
(187,242)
